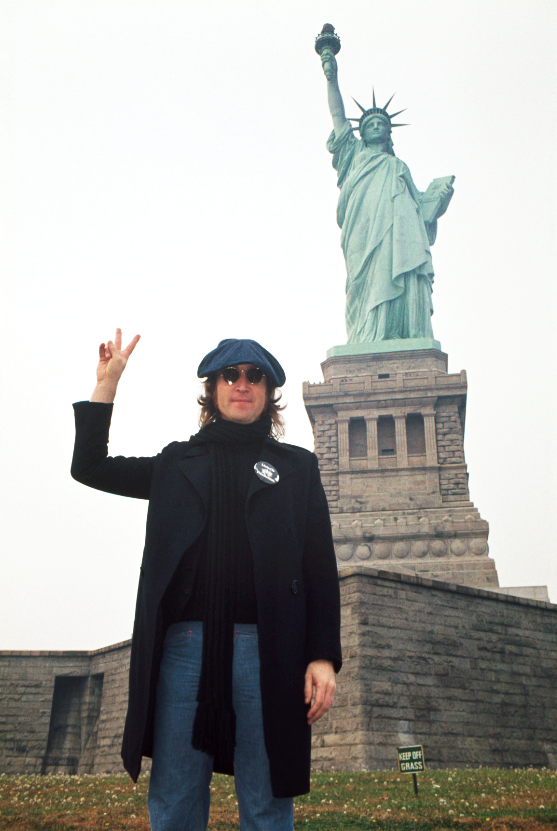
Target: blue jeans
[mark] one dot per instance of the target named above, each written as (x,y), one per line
(179,793)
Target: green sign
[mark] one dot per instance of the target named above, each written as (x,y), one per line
(411,759)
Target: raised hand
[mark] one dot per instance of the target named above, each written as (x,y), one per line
(112,363)
(329,64)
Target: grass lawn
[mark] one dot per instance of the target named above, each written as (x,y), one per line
(489,799)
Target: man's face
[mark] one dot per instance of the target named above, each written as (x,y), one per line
(241,402)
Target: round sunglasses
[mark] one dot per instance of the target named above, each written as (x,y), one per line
(254,375)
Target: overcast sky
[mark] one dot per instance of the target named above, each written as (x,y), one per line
(164,170)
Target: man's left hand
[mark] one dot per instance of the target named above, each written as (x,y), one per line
(320,677)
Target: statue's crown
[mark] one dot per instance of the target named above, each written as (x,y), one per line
(375,110)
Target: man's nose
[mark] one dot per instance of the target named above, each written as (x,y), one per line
(242,382)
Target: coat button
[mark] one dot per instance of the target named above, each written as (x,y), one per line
(294,587)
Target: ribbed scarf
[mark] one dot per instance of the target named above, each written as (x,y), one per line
(215,723)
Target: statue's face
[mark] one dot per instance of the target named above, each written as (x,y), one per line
(375,129)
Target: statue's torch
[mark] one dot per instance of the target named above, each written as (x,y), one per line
(327,40)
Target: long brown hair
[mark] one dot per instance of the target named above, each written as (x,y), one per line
(209,411)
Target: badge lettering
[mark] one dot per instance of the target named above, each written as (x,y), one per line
(266,472)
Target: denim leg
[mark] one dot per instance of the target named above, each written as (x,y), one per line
(259,809)
(179,793)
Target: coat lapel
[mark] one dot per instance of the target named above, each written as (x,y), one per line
(196,468)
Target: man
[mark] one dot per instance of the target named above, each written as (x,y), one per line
(236,636)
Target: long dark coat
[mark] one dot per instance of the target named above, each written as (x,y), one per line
(295,573)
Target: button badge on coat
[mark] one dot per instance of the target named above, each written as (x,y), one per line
(266,472)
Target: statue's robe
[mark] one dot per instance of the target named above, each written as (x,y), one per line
(385,243)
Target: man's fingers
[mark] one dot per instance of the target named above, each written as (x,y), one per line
(113,356)
(317,703)
(131,345)
(320,680)
(308,688)
(326,704)
(324,697)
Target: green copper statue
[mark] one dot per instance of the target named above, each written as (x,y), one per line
(387,224)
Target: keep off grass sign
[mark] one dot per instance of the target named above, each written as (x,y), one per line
(411,759)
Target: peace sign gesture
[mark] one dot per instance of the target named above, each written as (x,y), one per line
(112,363)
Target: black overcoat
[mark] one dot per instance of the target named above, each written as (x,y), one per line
(295,573)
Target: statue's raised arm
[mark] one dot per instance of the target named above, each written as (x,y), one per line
(387,224)
(327,45)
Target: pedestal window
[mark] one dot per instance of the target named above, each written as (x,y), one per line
(415,434)
(357,438)
(386,436)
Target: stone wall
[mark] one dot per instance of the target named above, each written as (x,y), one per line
(453,475)
(63,712)
(326,447)
(469,674)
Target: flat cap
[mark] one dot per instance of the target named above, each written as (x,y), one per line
(233,351)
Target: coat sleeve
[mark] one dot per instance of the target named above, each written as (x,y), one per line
(91,464)
(321,578)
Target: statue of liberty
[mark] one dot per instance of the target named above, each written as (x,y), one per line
(387,224)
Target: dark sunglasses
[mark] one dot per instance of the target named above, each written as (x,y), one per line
(254,375)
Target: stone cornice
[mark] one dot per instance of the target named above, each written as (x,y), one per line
(63,653)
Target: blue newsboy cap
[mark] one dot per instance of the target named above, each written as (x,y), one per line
(234,351)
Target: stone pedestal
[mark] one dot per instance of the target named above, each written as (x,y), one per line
(388,424)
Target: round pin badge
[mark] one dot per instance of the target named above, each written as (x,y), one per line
(266,472)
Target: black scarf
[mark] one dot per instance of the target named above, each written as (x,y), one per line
(215,724)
